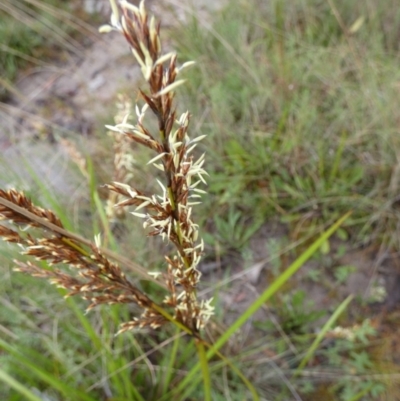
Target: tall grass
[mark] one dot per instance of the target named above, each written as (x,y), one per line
(300,102)
(299,109)
(33,32)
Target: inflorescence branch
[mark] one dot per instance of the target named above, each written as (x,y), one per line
(91,274)
(169,214)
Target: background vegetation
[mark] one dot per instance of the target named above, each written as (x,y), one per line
(300,104)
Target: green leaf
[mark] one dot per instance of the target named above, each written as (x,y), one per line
(17,386)
(327,326)
(32,368)
(191,378)
(325,247)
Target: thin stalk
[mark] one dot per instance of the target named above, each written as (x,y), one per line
(189,388)
(191,377)
(169,317)
(361,393)
(338,157)
(122,381)
(32,368)
(204,368)
(90,331)
(17,386)
(171,363)
(327,326)
(75,237)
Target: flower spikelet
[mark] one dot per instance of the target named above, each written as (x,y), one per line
(169,213)
(83,272)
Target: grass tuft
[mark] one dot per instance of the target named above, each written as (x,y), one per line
(298,102)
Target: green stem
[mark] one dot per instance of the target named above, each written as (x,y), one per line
(171,362)
(65,234)
(170,318)
(191,377)
(204,368)
(171,199)
(327,326)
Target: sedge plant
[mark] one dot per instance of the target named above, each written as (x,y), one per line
(95,274)
(85,268)
(168,214)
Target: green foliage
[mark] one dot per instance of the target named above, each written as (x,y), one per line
(302,118)
(302,114)
(343,272)
(234,231)
(350,354)
(296,313)
(32,32)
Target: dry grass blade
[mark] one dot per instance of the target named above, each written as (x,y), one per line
(27,16)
